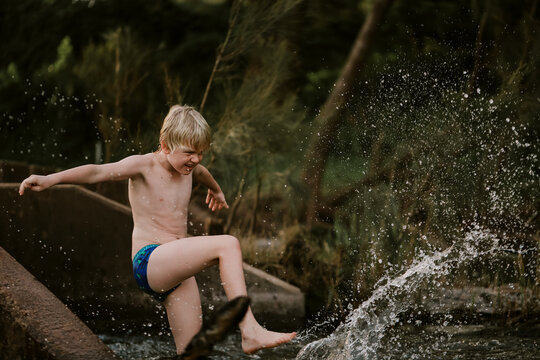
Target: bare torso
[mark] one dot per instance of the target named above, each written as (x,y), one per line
(159,201)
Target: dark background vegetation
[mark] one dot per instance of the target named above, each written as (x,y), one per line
(437,135)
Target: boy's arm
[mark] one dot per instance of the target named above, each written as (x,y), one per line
(85,174)
(215,198)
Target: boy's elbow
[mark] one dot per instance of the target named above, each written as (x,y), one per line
(96,174)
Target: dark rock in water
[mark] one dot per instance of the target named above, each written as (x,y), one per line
(215,331)
(492,302)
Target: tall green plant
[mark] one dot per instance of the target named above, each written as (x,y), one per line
(255,110)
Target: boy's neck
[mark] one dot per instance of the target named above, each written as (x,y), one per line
(161,158)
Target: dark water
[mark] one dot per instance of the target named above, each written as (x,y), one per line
(137,347)
(405,342)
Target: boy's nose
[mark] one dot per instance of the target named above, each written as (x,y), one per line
(196,159)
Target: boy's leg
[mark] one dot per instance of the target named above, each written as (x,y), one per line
(183,307)
(177,260)
(172,262)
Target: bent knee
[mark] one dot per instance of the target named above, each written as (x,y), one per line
(230,243)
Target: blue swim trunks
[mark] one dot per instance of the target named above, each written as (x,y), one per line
(140,264)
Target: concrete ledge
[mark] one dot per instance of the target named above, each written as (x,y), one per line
(506,300)
(34,324)
(78,244)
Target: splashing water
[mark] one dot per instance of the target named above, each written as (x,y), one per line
(360,336)
(473,161)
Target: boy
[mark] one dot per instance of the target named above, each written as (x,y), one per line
(164,259)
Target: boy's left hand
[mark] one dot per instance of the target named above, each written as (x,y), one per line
(216,201)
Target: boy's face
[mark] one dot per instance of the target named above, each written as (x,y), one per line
(184,159)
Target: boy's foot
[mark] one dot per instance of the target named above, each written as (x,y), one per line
(264,339)
(225,321)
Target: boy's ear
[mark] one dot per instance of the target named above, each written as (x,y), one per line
(164,147)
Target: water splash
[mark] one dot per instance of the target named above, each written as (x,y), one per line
(361,335)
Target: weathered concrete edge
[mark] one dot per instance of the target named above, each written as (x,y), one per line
(106,201)
(273,280)
(37,321)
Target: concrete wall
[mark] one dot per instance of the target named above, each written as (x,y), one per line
(78,244)
(34,324)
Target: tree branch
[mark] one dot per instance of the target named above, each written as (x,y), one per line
(329,118)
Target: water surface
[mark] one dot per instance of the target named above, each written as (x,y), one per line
(486,342)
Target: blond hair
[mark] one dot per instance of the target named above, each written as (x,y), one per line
(185,126)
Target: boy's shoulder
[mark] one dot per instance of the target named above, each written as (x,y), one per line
(139,162)
(149,157)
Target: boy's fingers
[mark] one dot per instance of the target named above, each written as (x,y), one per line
(23,186)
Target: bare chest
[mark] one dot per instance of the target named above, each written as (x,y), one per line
(161,194)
